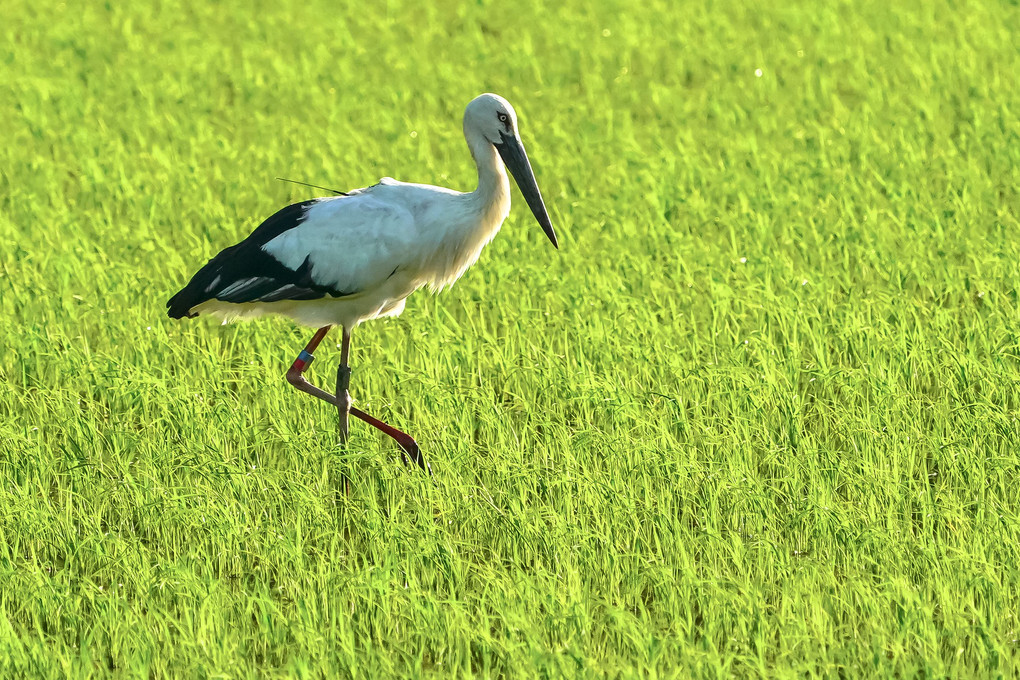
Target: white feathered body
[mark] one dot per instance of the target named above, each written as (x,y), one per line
(381,243)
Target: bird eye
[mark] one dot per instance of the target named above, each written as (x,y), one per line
(503,117)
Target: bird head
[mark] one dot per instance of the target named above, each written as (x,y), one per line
(495,120)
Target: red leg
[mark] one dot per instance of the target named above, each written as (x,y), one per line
(294,376)
(408,446)
(404,440)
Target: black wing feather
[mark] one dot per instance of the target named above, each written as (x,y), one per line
(246,273)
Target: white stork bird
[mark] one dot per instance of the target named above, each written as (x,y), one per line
(346,259)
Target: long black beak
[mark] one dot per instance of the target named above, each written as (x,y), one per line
(511,150)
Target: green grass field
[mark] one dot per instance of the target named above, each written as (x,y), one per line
(756,417)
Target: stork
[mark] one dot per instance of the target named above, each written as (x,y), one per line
(342,260)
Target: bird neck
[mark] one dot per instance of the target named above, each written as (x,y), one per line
(492,197)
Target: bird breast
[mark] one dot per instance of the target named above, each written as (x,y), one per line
(461,236)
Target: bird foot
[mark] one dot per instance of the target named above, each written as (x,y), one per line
(409,449)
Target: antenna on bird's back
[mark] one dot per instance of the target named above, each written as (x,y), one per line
(314,186)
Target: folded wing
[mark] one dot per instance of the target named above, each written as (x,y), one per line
(332,247)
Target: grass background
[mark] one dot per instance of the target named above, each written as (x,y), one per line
(757,417)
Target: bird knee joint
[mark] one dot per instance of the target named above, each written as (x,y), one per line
(302,362)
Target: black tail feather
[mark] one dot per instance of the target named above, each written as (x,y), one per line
(199,288)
